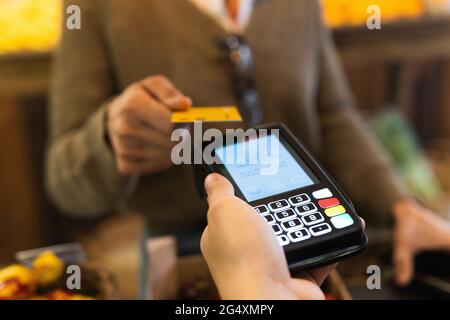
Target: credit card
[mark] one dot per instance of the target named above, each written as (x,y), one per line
(208,114)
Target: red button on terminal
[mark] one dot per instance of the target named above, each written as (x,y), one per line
(328,203)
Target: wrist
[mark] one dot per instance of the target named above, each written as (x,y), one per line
(408,210)
(443,238)
(403,207)
(251,285)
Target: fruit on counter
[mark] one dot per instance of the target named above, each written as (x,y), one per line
(16,282)
(29,25)
(354,12)
(64,295)
(47,268)
(59,295)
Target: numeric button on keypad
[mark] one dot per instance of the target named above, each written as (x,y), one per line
(299,235)
(292,225)
(300,199)
(312,219)
(285,215)
(277,229)
(279,205)
(320,230)
(269,218)
(283,240)
(262,209)
(306,208)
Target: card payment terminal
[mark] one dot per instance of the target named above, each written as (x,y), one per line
(312,218)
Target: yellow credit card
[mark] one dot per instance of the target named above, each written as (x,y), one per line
(208,114)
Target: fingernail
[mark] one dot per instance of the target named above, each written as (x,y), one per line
(210,180)
(173,100)
(187,102)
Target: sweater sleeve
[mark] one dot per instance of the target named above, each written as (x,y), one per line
(81,177)
(349,149)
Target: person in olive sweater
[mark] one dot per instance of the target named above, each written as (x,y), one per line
(119,78)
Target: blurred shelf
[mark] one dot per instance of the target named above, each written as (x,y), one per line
(24,74)
(427,37)
(28,73)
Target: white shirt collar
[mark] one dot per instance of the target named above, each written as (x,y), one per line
(218,10)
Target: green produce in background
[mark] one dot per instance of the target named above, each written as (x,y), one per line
(401,144)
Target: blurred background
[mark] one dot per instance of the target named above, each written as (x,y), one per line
(400,76)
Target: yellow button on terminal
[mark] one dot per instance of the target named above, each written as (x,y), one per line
(334,211)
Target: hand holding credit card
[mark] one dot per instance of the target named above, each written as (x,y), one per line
(207,114)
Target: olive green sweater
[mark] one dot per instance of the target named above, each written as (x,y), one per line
(299,77)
